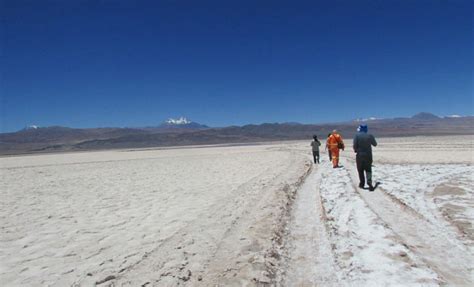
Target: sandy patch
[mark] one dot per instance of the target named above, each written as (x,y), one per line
(454,199)
(442,194)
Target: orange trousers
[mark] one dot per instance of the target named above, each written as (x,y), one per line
(335,156)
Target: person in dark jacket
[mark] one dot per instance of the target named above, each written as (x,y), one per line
(363,142)
(315,146)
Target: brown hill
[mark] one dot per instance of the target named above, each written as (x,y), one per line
(67,139)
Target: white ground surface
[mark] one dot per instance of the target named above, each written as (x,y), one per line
(239,216)
(414,230)
(166,217)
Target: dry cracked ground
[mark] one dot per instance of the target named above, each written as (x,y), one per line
(239,216)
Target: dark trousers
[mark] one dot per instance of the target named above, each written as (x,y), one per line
(364,164)
(330,155)
(316,156)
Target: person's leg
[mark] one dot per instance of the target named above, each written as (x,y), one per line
(368,171)
(360,170)
(317,156)
(330,156)
(335,157)
(314,156)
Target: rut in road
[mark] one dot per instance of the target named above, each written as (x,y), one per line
(310,258)
(335,239)
(448,257)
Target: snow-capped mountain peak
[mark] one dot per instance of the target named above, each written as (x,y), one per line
(367,119)
(180,121)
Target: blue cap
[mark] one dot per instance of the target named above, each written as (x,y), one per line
(362,128)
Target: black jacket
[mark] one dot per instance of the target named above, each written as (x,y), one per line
(363,144)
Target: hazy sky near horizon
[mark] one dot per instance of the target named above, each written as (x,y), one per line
(136,63)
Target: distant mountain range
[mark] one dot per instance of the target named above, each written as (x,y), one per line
(180,132)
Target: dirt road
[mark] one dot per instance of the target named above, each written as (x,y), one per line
(341,235)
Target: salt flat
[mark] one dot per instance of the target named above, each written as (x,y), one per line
(164,216)
(239,216)
(414,230)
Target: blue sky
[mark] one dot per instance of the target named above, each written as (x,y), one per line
(136,63)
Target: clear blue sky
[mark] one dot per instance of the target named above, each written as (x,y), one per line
(135,63)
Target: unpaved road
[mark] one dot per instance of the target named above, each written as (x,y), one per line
(341,235)
(310,257)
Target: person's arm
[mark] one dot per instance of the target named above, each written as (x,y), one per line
(374,142)
(355,144)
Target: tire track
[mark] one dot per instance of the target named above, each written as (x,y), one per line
(173,261)
(448,258)
(366,252)
(172,245)
(229,264)
(310,259)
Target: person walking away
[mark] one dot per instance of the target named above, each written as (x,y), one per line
(362,144)
(327,147)
(315,145)
(335,143)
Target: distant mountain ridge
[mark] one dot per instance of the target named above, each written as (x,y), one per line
(425,116)
(184,132)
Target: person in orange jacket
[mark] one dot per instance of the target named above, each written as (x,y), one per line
(335,143)
(327,147)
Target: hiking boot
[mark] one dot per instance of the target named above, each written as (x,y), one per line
(371,187)
(361,185)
